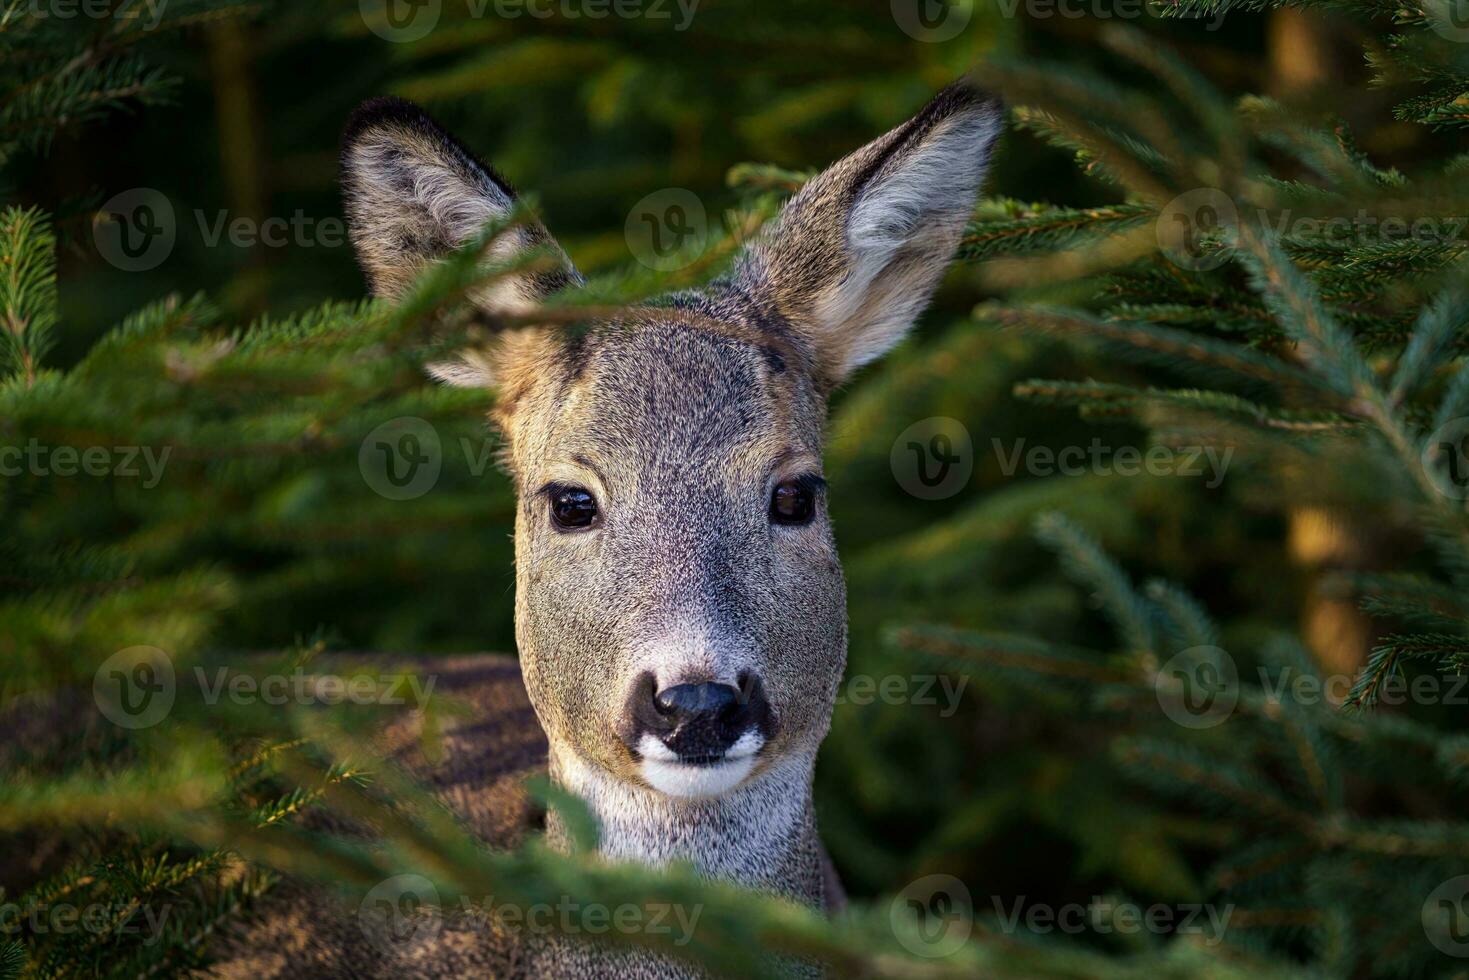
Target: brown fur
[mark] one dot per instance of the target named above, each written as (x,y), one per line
(679,419)
(307,932)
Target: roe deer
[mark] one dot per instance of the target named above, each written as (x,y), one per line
(680,609)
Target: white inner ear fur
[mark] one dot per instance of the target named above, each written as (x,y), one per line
(901,232)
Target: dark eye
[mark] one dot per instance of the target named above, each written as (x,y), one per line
(572,507)
(793,502)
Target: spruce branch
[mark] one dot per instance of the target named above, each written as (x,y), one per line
(12,959)
(1437,326)
(28,297)
(1086,563)
(1013,228)
(1163,344)
(1183,618)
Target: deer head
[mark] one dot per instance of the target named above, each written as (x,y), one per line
(680,608)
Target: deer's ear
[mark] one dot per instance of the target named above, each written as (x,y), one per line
(412,193)
(855,256)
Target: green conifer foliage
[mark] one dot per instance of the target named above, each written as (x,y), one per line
(1225,271)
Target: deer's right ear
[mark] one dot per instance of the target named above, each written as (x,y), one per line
(413,193)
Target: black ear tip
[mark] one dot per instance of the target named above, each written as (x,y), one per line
(399,117)
(385,110)
(965,94)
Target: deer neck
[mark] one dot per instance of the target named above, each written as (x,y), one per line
(762,834)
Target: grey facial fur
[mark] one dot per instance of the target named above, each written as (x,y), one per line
(680,419)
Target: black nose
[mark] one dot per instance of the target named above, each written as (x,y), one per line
(708,702)
(701,721)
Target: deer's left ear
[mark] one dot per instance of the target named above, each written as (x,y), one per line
(855,256)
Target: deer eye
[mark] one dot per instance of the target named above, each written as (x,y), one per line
(793,502)
(572,508)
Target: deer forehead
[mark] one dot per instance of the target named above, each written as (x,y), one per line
(668,399)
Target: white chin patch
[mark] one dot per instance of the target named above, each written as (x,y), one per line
(664,772)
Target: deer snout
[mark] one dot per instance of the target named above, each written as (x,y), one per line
(698,738)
